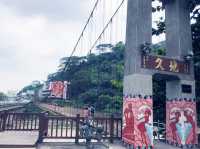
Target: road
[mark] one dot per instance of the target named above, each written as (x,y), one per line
(11,107)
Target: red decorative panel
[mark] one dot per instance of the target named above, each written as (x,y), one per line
(181,122)
(138,121)
(58,89)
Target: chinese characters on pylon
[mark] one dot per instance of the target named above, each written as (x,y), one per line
(159,64)
(165,64)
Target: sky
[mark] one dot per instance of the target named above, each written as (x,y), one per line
(35,34)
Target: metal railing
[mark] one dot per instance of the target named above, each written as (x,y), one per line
(63,127)
(58,127)
(19,121)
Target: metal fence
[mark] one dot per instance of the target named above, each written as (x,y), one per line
(19,121)
(63,127)
(58,127)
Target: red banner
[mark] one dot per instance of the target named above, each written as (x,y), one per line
(181,122)
(138,122)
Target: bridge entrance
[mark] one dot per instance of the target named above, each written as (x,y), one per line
(144,103)
(173,72)
(160,96)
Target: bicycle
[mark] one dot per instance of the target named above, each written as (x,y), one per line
(89,132)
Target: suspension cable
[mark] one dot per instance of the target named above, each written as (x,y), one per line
(107,25)
(84,28)
(100,35)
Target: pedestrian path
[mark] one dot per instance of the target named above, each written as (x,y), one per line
(29,138)
(116,145)
(17,138)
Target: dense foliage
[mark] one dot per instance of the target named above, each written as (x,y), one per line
(96,79)
(31,87)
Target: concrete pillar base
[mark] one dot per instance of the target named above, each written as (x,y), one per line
(138,84)
(174,89)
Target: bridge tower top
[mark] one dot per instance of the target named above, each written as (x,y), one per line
(140,67)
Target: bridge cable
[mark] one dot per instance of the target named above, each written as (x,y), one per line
(84,28)
(107,25)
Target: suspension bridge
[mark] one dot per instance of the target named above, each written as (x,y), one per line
(105,27)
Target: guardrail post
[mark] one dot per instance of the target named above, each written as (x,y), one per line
(77,128)
(1,119)
(43,127)
(111,128)
(4,118)
(121,127)
(158,130)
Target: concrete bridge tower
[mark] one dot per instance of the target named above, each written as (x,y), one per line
(175,68)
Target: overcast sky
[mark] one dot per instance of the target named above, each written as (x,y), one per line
(34,35)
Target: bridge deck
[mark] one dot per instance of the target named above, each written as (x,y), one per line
(14,138)
(97,146)
(29,138)
(8,108)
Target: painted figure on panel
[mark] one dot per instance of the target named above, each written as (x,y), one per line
(181,122)
(129,119)
(138,122)
(143,127)
(191,125)
(173,125)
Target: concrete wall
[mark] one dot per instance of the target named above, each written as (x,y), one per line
(136,84)
(178,29)
(174,89)
(139,31)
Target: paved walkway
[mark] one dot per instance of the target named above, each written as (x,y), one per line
(18,138)
(118,145)
(29,138)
